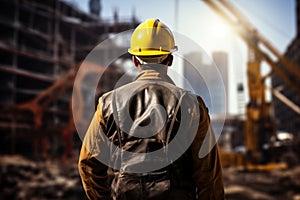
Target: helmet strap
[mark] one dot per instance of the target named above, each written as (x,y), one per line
(151,60)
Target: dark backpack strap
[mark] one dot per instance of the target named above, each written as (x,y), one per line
(174,118)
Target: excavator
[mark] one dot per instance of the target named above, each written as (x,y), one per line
(37,107)
(260,125)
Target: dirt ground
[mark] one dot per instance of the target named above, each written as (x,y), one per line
(276,184)
(21,178)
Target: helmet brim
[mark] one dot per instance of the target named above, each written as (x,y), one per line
(150,52)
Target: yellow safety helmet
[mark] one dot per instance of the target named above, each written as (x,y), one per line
(152,38)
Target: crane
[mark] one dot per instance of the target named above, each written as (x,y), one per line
(260,120)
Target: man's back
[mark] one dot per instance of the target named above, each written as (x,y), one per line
(144,117)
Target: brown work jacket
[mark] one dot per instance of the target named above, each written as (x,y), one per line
(114,161)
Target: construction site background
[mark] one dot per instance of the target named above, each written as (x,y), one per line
(42,45)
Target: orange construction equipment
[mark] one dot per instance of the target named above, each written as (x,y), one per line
(260,120)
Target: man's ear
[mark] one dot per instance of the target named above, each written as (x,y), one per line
(169,60)
(135,61)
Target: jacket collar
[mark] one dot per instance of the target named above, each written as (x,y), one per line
(154,74)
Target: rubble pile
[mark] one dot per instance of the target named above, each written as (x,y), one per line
(21,178)
(267,185)
(25,179)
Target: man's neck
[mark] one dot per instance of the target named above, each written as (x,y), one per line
(162,69)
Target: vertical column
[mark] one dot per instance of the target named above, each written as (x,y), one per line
(298,16)
(241,98)
(253,111)
(56,58)
(221,60)
(56,40)
(73,64)
(73,44)
(15,45)
(14,78)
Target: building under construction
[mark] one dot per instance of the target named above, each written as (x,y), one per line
(288,114)
(42,43)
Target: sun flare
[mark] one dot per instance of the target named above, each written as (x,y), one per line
(220,29)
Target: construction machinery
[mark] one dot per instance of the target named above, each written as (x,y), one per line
(260,126)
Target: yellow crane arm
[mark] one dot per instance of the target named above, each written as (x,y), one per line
(251,36)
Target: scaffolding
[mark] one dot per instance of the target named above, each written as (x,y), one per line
(41,45)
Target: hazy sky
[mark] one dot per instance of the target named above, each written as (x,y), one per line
(275,19)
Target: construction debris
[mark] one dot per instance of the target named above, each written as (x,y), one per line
(276,184)
(22,178)
(26,179)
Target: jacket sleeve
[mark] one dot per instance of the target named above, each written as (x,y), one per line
(93,173)
(207,170)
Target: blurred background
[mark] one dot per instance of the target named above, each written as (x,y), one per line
(253,100)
